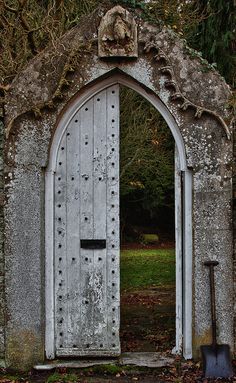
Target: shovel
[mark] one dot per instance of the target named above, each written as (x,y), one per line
(216,358)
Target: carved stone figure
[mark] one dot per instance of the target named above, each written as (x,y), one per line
(117,34)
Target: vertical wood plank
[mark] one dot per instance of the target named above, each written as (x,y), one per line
(113,223)
(73,230)
(178,253)
(60,192)
(86,224)
(187,263)
(100,211)
(49,281)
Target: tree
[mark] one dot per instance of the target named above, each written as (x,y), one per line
(28,26)
(215,36)
(147,160)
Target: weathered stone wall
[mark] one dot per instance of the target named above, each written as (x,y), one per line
(2,262)
(234,224)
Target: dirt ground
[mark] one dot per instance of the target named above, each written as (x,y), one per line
(148,325)
(148,320)
(180,372)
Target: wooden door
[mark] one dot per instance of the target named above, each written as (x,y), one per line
(86,224)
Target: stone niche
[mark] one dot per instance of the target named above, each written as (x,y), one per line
(117,34)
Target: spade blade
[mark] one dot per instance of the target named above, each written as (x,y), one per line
(217,361)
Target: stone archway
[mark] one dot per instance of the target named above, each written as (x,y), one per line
(165,70)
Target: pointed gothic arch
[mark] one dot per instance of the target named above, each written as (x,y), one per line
(183,231)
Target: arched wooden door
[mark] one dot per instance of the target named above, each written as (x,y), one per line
(82,228)
(86,230)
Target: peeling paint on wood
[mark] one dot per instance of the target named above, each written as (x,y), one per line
(87,207)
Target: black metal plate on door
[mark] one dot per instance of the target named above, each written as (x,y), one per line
(93,244)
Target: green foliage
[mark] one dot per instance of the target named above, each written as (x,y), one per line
(215,35)
(147,158)
(56,377)
(142,268)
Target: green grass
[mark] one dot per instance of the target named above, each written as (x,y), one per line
(56,377)
(150,238)
(143,268)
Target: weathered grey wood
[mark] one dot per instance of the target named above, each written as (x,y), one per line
(60,242)
(49,266)
(100,229)
(86,227)
(187,263)
(113,224)
(73,227)
(87,207)
(178,252)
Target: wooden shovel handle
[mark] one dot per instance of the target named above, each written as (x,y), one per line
(211,265)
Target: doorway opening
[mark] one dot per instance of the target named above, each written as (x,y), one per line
(147,221)
(101,283)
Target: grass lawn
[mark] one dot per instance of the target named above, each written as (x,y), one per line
(143,268)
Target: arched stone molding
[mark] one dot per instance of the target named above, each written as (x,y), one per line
(37,100)
(100,84)
(183,321)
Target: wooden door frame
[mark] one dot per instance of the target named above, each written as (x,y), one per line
(183,256)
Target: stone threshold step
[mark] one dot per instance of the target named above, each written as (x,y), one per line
(139,359)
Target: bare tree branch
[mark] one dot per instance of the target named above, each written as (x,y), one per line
(4,88)
(10,9)
(125,167)
(28,30)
